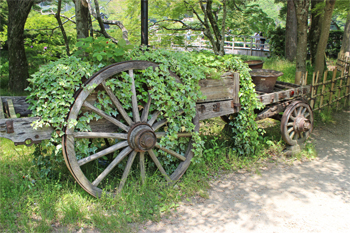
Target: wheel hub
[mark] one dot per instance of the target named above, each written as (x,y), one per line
(302,124)
(141,137)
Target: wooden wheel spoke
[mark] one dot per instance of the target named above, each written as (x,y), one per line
(159,166)
(291,117)
(296,136)
(135,110)
(159,124)
(127,170)
(142,167)
(146,109)
(117,103)
(295,112)
(291,135)
(110,167)
(107,117)
(100,135)
(303,112)
(290,129)
(179,135)
(307,115)
(103,153)
(153,117)
(173,153)
(290,124)
(299,110)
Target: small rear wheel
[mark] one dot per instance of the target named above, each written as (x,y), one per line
(297,123)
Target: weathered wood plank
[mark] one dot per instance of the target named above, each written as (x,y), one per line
(24,131)
(2,115)
(215,109)
(19,103)
(11,109)
(218,89)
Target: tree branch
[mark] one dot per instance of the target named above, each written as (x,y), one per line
(57,16)
(101,21)
(186,26)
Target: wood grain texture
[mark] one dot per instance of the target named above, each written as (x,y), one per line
(135,109)
(104,115)
(159,166)
(142,167)
(117,103)
(173,153)
(104,152)
(208,112)
(145,111)
(217,89)
(100,135)
(110,167)
(24,130)
(2,115)
(127,170)
(11,109)
(19,103)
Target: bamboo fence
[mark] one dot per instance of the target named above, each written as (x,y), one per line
(330,89)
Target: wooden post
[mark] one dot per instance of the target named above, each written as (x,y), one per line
(233,44)
(313,86)
(251,46)
(340,85)
(332,89)
(2,115)
(323,88)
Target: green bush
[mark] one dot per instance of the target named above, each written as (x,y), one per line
(277,41)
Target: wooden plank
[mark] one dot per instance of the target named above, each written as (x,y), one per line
(19,103)
(323,88)
(11,109)
(210,110)
(217,89)
(2,115)
(23,130)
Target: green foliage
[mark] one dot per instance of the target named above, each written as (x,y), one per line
(334,43)
(43,39)
(277,41)
(52,91)
(101,50)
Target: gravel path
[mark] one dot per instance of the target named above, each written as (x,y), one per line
(306,197)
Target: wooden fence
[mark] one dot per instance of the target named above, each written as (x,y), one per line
(330,89)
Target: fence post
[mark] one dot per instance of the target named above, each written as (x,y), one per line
(233,44)
(323,88)
(251,46)
(347,92)
(312,101)
(332,88)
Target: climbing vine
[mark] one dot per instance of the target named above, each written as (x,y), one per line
(53,86)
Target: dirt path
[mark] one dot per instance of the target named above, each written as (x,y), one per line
(307,197)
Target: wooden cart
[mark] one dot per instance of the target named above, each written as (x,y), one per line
(133,133)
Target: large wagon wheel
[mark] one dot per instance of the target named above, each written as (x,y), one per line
(124,136)
(297,123)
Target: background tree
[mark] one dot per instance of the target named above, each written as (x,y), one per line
(345,47)
(322,43)
(18,65)
(302,9)
(291,32)
(317,8)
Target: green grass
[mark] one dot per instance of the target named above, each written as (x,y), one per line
(30,203)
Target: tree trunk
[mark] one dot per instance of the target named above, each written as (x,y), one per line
(322,44)
(291,32)
(82,19)
(315,30)
(345,47)
(18,65)
(301,7)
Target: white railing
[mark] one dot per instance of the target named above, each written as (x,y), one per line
(232,42)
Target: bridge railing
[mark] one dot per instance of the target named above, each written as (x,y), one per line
(198,41)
